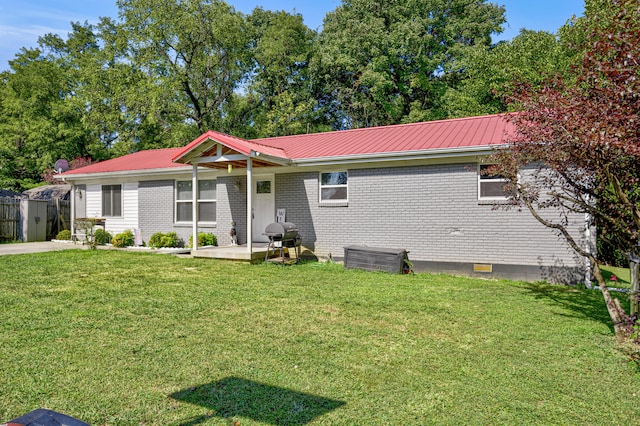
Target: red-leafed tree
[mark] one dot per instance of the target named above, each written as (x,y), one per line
(49,174)
(582,138)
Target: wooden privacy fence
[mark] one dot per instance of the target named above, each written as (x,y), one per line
(58,218)
(9,218)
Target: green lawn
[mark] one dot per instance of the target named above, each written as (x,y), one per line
(119,338)
(623,276)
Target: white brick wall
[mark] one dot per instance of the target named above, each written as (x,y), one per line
(157,206)
(432,211)
(232,206)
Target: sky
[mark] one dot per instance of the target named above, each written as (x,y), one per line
(23,21)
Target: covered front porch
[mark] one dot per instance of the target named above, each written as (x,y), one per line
(218,151)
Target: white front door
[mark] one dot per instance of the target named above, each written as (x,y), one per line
(263,205)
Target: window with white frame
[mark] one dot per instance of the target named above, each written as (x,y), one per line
(206,199)
(490,186)
(111,200)
(333,187)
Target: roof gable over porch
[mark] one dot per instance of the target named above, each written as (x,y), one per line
(218,151)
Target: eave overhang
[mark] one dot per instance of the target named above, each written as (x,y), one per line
(221,161)
(124,173)
(400,156)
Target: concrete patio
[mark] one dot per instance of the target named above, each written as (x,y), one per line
(240,252)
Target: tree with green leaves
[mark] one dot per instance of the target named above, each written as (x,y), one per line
(37,123)
(196,55)
(488,74)
(281,85)
(99,86)
(388,62)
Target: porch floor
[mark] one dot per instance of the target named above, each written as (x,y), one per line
(258,252)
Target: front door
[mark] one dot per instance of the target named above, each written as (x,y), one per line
(263,205)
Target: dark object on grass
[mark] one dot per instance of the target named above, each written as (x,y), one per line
(43,417)
(377,259)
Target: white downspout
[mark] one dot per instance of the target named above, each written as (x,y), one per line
(588,247)
(194,206)
(249,205)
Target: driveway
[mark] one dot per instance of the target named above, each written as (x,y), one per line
(38,247)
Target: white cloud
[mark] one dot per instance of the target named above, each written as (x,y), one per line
(13,38)
(22,26)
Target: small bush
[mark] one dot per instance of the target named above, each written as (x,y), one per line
(65,234)
(101,236)
(170,239)
(155,239)
(159,239)
(123,239)
(204,239)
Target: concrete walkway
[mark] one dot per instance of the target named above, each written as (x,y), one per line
(39,247)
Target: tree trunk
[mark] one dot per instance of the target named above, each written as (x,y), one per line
(616,312)
(633,296)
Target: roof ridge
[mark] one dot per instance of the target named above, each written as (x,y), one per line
(240,139)
(153,149)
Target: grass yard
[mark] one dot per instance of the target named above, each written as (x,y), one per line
(622,276)
(118,338)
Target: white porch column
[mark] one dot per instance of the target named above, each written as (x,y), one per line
(194,206)
(249,205)
(72,207)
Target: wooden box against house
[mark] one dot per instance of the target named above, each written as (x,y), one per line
(375,259)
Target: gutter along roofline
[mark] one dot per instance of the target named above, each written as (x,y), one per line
(400,156)
(359,159)
(127,173)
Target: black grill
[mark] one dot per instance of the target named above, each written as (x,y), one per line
(281,235)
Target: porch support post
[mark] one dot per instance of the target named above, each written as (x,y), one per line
(72,209)
(194,206)
(249,205)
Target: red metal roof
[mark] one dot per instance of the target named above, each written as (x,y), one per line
(444,134)
(142,160)
(471,132)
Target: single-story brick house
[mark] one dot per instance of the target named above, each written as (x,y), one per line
(412,186)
